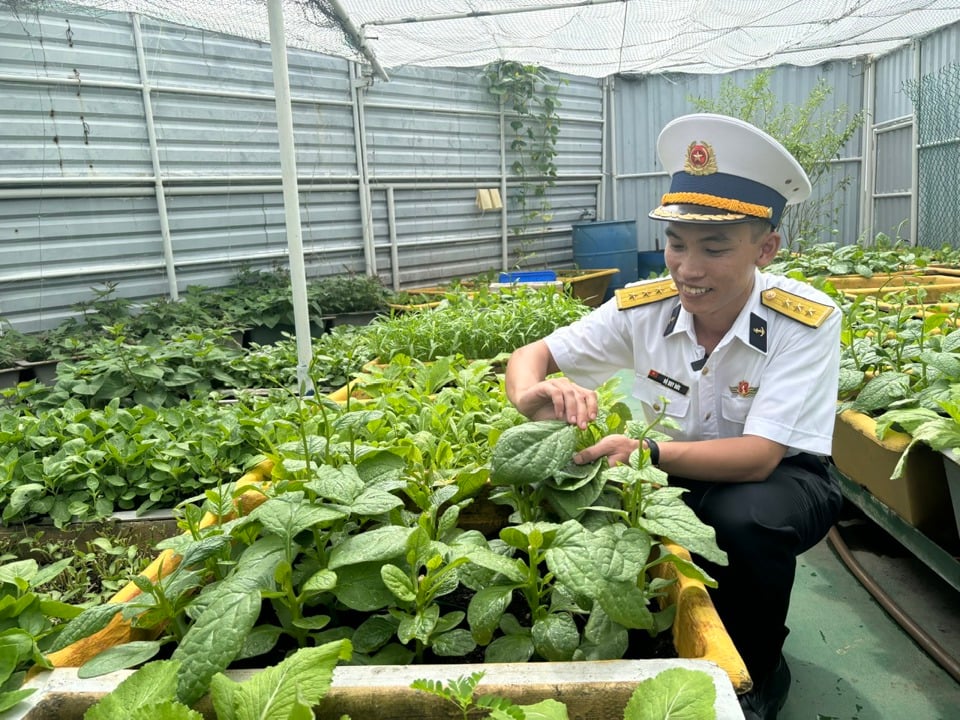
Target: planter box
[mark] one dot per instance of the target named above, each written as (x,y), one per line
(9,377)
(263,335)
(931,287)
(591,690)
(359,317)
(43,371)
(951,465)
(698,633)
(589,286)
(920,497)
(144,530)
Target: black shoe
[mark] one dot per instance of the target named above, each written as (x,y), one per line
(767,698)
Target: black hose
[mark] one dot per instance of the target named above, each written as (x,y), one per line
(922,638)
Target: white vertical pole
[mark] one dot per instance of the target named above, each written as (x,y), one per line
(291,193)
(915,149)
(166,240)
(868,154)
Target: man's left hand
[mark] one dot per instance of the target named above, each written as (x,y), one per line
(616,448)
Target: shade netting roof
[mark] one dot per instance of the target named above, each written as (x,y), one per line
(594,38)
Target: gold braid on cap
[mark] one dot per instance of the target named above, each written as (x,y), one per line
(691,198)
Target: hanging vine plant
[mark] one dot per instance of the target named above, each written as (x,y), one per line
(529,96)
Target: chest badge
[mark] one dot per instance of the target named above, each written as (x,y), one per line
(743,389)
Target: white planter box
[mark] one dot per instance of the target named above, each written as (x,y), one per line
(595,690)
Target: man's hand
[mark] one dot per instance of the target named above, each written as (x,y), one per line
(616,448)
(558,399)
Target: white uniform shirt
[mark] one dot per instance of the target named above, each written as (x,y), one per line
(770,375)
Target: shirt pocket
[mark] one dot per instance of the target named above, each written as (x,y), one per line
(652,394)
(736,408)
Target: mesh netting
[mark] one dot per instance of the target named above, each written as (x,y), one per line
(936,100)
(592,38)
(308,24)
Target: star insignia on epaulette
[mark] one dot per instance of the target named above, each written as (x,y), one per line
(644,293)
(808,312)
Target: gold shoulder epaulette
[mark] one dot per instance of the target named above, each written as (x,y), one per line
(799,308)
(645,293)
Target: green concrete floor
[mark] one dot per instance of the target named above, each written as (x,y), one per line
(849,659)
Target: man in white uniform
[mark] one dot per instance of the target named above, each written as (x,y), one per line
(747,363)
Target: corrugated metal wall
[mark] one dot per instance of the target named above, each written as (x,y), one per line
(79,205)
(98,111)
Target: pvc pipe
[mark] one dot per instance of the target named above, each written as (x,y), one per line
(394,250)
(357,36)
(915,154)
(165,89)
(924,640)
(165,239)
(487,13)
(291,196)
(363,170)
(504,237)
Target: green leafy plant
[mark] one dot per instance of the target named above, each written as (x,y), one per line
(891,357)
(529,95)
(29,622)
(483,324)
(289,689)
(461,692)
(348,293)
(669,695)
(96,569)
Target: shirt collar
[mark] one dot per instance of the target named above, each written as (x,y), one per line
(750,327)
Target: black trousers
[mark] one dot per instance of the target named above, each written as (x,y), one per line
(763,526)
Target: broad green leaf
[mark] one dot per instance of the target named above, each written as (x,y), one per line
(49,572)
(548,709)
(259,641)
(532,452)
(302,679)
(290,514)
(155,682)
(509,648)
(418,626)
(555,637)
(119,657)
(881,391)
(216,637)
(674,694)
(510,568)
(603,639)
(570,503)
(626,604)
(21,497)
(455,643)
(88,622)
(399,583)
(321,581)
(340,485)
(18,570)
(374,501)
(10,698)
(377,545)
(360,587)
(373,633)
(669,517)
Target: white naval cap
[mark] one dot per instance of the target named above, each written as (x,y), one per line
(725,170)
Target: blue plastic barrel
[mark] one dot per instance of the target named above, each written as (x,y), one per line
(649,263)
(607,244)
